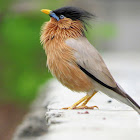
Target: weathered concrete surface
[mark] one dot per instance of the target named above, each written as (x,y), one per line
(112,121)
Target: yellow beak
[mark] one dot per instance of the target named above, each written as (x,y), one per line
(46,11)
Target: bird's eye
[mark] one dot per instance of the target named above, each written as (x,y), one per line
(62,16)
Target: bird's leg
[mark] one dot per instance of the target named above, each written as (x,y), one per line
(87,100)
(77,103)
(83,106)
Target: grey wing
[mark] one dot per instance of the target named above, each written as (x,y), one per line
(88,58)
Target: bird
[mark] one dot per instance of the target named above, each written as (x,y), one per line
(74,61)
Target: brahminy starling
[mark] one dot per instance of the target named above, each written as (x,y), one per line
(74,61)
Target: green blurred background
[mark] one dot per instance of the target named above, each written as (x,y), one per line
(23,60)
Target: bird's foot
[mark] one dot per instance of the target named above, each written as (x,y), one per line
(86,107)
(80,107)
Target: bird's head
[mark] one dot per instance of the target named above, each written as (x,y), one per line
(65,16)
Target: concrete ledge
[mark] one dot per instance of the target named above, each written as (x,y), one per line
(46,121)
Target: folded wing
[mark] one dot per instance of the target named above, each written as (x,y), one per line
(89,60)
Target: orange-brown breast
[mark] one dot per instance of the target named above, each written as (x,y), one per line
(60,58)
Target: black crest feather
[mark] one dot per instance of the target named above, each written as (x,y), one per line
(74,13)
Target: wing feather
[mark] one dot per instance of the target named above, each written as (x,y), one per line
(88,58)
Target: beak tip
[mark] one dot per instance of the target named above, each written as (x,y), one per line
(42,10)
(46,11)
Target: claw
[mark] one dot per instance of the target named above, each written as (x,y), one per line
(86,107)
(65,108)
(80,107)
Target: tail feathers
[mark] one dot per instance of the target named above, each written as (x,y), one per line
(133,104)
(128,100)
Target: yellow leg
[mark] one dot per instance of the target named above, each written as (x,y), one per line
(87,100)
(83,106)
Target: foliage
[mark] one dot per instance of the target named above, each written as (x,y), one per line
(22,59)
